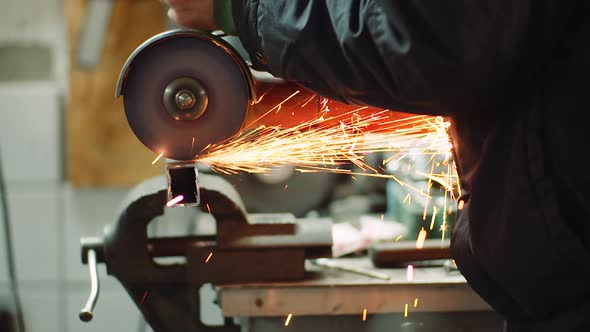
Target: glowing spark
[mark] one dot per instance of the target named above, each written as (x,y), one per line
(461,205)
(421,239)
(286,186)
(444,223)
(209,257)
(410,273)
(408,199)
(307,102)
(175,200)
(398,238)
(434,213)
(143,298)
(288,319)
(382,216)
(416,303)
(208,208)
(364,315)
(278,107)
(406,311)
(157,158)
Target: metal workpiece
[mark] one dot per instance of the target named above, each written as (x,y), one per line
(183,183)
(167,295)
(396,254)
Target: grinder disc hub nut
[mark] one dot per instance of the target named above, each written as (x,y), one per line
(185,99)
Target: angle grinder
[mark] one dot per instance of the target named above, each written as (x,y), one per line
(185,90)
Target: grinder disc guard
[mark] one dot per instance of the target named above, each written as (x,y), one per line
(156,69)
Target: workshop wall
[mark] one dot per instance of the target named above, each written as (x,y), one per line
(101,148)
(48,214)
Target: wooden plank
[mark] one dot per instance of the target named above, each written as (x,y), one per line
(101,148)
(332,292)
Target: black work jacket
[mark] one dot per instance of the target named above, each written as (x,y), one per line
(512,75)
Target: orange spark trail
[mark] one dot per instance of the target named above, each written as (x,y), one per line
(434,213)
(143,298)
(175,200)
(157,158)
(421,239)
(209,257)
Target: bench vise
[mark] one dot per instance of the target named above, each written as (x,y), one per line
(245,249)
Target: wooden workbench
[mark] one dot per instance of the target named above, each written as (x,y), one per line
(332,300)
(331,292)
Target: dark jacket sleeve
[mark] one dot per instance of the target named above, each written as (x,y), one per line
(405,55)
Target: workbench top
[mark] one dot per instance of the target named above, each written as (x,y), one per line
(335,292)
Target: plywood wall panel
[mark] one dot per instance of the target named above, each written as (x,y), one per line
(101,150)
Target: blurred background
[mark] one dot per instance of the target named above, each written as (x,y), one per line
(67,153)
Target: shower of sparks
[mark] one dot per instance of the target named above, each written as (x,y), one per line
(410,273)
(209,257)
(416,303)
(288,319)
(364,315)
(175,200)
(157,158)
(406,311)
(421,239)
(331,143)
(335,140)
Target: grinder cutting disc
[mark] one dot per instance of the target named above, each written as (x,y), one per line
(184,90)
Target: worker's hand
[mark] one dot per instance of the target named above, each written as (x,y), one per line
(195,14)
